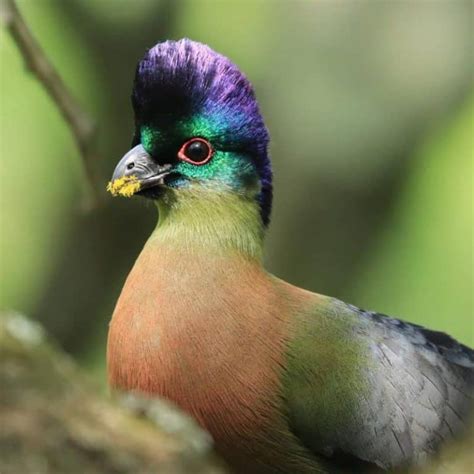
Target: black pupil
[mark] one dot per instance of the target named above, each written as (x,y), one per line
(197,151)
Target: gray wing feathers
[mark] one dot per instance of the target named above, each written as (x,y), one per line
(416,390)
(421,396)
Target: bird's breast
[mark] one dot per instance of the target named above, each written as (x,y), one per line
(206,334)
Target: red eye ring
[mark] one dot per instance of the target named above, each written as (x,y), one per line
(196,151)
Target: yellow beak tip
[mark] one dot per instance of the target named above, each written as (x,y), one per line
(126,186)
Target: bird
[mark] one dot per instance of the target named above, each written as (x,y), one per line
(285,380)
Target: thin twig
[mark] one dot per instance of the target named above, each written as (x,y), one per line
(82,126)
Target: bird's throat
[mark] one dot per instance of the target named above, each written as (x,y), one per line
(201,219)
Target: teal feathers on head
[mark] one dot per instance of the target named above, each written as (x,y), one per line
(196,110)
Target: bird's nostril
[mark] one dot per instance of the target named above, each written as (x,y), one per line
(131,165)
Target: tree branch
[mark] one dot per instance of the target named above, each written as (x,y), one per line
(83,128)
(54,420)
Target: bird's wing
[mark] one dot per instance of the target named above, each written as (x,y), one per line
(363,386)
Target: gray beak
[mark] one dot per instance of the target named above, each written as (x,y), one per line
(139,164)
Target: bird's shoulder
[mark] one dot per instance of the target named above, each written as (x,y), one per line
(439,343)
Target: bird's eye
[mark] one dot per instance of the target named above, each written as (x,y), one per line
(196,151)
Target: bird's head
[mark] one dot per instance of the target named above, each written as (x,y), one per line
(198,130)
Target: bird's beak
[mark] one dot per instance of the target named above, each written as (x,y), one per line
(135,172)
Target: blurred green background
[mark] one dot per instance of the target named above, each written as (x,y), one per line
(370,108)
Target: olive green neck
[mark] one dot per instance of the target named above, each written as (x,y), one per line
(215,220)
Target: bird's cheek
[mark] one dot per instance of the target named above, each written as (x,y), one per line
(186,172)
(177,179)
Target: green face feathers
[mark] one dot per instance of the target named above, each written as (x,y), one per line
(227,169)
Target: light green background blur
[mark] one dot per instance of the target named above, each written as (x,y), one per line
(370,109)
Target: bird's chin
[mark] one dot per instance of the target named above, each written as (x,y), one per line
(154,192)
(159,189)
